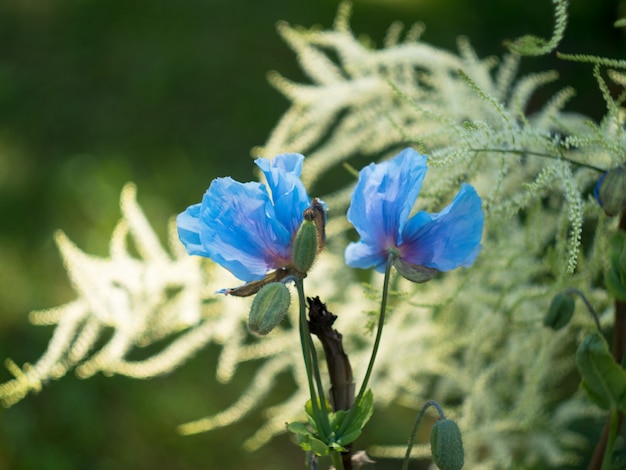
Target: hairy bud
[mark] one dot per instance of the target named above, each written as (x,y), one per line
(268,308)
(446,445)
(305,247)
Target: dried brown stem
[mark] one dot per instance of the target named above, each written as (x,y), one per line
(339,370)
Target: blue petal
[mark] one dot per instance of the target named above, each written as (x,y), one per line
(361,255)
(288,193)
(286,162)
(446,240)
(240,231)
(596,188)
(384,196)
(188,225)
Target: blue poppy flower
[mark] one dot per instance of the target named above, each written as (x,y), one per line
(610,191)
(423,243)
(243,226)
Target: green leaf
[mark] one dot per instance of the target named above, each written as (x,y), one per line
(337,447)
(319,447)
(617,247)
(307,440)
(615,278)
(614,284)
(603,379)
(357,421)
(299,428)
(349,437)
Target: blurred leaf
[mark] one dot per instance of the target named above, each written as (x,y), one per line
(603,379)
(616,275)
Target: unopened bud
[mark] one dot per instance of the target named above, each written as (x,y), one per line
(446,445)
(414,272)
(268,308)
(316,213)
(610,191)
(305,247)
(560,311)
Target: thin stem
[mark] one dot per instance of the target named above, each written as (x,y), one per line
(608,452)
(538,154)
(335,458)
(619,354)
(416,425)
(379,332)
(305,341)
(592,312)
(619,324)
(316,375)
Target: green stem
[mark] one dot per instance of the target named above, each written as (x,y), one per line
(335,458)
(619,353)
(608,451)
(416,425)
(320,417)
(592,312)
(316,375)
(379,332)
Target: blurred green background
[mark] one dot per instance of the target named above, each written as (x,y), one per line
(96,93)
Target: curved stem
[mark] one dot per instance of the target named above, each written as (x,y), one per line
(592,312)
(379,332)
(416,425)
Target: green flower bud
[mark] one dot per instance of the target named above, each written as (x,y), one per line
(446,445)
(560,311)
(413,272)
(610,191)
(305,247)
(268,308)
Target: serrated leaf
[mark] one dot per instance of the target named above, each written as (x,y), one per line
(603,379)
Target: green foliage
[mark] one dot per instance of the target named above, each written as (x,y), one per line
(560,311)
(472,338)
(532,45)
(342,432)
(616,275)
(603,379)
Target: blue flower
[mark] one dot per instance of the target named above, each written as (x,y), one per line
(245,228)
(610,191)
(422,244)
